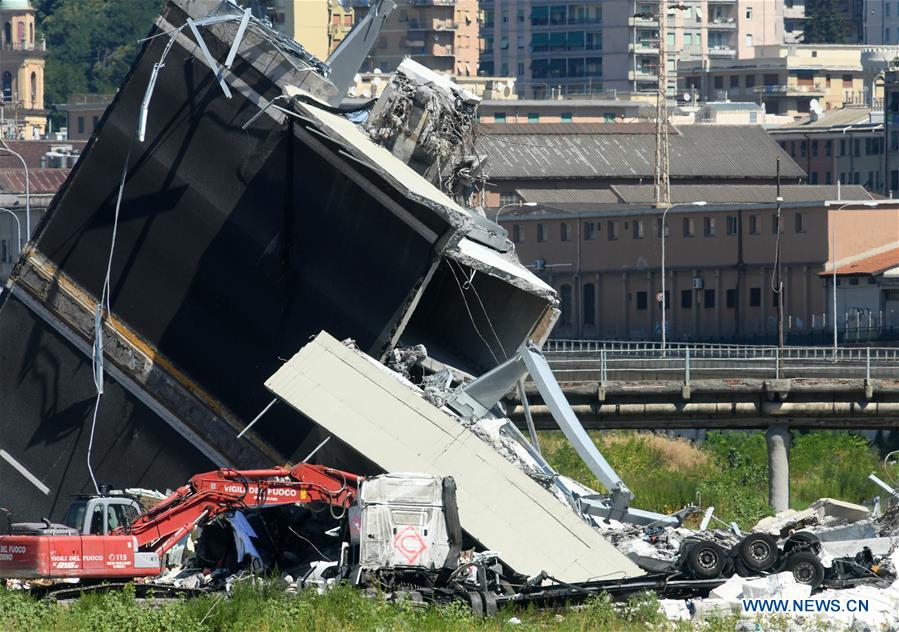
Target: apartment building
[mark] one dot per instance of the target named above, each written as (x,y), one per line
(21,72)
(844,145)
(440,34)
(698,30)
(596,156)
(319,25)
(604,259)
(787,78)
(564,111)
(552,47)
(881,22)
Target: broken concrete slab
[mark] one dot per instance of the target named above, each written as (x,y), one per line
(842,510)
(365,405)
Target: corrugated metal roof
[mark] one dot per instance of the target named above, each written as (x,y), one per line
(696,151)
(874,264)
(41,180)
(753,193)
(832,118)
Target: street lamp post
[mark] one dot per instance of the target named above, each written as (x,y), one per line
(664,299)
(3,147)
(515,204)
(18,228)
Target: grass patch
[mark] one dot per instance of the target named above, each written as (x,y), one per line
(728,470)
(268,609)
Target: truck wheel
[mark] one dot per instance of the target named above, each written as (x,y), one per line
(803,540)
(758,551)
(705,560)
(806,568)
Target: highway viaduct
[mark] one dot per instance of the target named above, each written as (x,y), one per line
(727,387)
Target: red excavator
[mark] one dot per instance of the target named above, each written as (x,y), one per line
(55,551)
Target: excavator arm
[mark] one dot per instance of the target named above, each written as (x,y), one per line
(210,494)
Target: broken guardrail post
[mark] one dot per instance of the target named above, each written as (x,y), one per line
(778,440)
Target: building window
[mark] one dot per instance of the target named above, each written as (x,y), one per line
(749,39)
(842,146)
(828,148)
(641,300)
(638,229)
(4,251)
(667,300)
(589,300)
(750,81)
(828,178)
(800,222)
(813,177)
(80,124)
(689,227)
(565,305)
(731,224)
(708,226)
(774,296)
(659,228)
(516,234)
(708,299)
(755,297)
(814,149)
(533,117)
(719,82)
(748,13)
(613,234)
(754,224)
(541,232)
(686,299)
(802,149)
(735,81)
(565,231)
(507,198)
(730,298)
(853,280)
(589,231)
(34,91)
(499,117)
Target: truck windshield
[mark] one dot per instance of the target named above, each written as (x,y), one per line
(75,515)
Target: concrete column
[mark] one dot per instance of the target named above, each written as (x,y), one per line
(778,440)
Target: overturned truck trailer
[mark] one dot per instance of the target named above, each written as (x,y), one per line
(252,215)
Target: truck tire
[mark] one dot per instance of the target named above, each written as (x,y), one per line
(806,568)
(705,560)
(802,540)
(758,551)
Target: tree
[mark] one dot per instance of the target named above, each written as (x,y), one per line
(90,43)
(825,23)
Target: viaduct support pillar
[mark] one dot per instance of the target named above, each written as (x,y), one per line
(778,440)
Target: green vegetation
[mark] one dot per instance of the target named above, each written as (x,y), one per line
(268,608)
(825,22)
(90,43)
(729,470)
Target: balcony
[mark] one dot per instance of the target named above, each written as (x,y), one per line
(40,46)
(642,75)
(643,22)
(722,24)
(722,52)
(791,90)
(643,48)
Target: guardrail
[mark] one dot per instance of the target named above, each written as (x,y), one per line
(593,361)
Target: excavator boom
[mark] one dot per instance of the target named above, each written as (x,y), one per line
(136,550)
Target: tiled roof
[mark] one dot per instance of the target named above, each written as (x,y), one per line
(875,264)
(540,151)
(642,194)
(33,150)
(41,180)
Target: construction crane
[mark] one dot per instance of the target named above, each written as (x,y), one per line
(54,551)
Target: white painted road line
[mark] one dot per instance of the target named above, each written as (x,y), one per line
(6,456)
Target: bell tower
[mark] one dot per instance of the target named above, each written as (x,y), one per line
(21,72)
